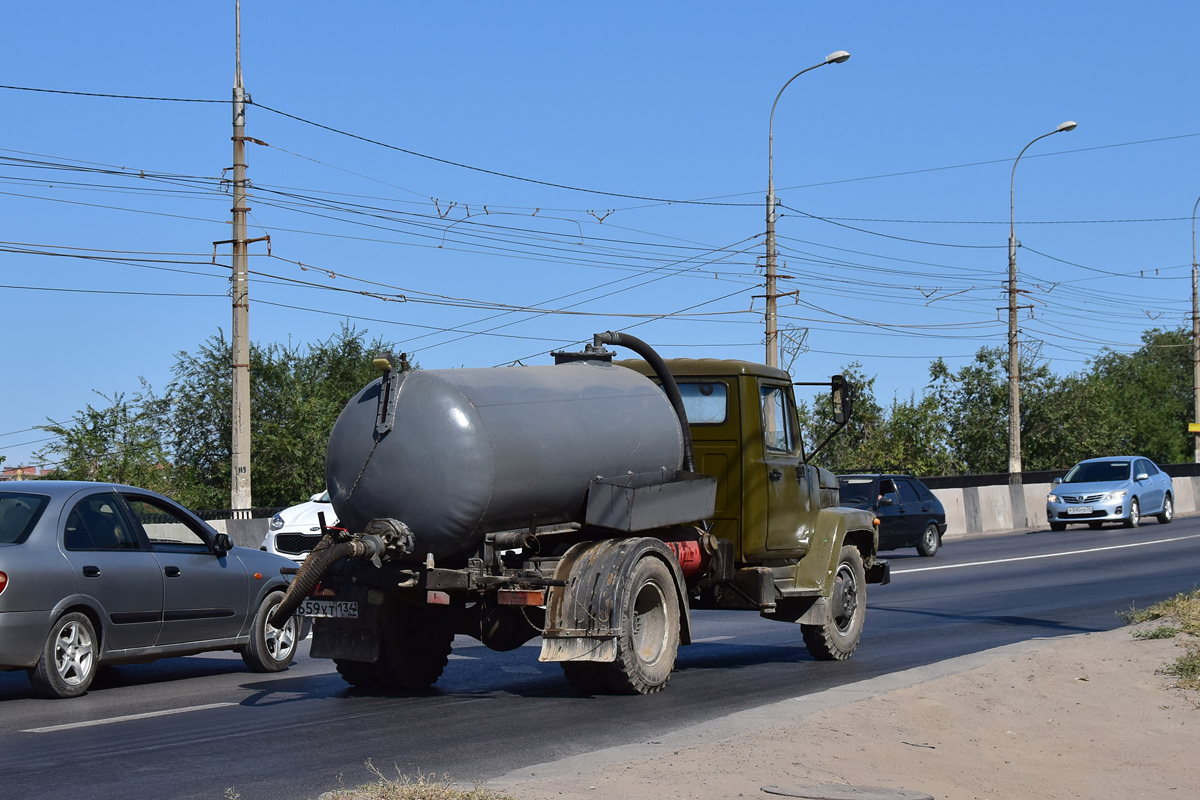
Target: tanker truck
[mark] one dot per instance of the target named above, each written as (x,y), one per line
(592,503)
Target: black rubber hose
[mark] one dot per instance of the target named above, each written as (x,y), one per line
(668,383)
(320,559)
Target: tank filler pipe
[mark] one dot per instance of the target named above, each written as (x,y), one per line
(668,383)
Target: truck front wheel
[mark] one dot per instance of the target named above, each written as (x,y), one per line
(839,636)
(649,625)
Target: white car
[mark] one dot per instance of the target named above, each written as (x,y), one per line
(294,531)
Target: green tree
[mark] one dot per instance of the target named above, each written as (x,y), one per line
(297,394)
(1149,392)
(121,442)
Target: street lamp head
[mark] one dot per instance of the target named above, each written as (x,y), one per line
(1066,126)
(840,56)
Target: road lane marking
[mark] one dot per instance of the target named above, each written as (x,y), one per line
(126,718)
(711,639)
(1046,555)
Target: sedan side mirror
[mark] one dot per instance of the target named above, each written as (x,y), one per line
(1057,481)
(1141,476)
(222,544)
(885,501)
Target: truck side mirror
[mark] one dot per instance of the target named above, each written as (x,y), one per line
(843,399)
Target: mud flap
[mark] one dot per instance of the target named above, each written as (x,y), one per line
(880,572)
(579,615)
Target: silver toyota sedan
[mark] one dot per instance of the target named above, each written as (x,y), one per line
(94,574)
(1115,489)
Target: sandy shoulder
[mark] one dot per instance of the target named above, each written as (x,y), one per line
(1077,717)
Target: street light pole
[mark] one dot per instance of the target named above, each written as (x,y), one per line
(1195,336)
(772,324)
(1014,369)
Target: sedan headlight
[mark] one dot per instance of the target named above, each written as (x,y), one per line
(1114,496)
(1051,498)
(276,522)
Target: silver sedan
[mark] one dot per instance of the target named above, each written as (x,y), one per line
(94,574)
(1116,489)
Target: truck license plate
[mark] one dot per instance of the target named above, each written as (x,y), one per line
(1079,510)
(338,609)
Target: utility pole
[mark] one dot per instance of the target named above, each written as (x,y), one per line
(1195,337)
(838,57)
(1014,360)
(240,499)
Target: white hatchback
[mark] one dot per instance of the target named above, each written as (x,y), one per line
(295,531)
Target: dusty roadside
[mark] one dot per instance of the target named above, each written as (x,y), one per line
(1083,716)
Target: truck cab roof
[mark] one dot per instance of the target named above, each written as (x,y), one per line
(692,367)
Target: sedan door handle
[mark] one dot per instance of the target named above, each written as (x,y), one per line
(171,572)
(775,474)
(91,572)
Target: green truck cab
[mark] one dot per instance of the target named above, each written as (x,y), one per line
(796,555)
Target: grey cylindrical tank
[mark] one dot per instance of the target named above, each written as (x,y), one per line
(478,450)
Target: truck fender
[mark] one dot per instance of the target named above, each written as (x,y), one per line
(854,528)
(596,576)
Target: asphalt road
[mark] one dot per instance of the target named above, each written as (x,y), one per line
(203,724)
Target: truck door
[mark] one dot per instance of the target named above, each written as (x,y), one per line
(789,484)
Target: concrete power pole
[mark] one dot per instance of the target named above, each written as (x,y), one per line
(240,499)
(1195,336)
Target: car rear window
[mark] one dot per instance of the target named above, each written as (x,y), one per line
(1096,471)
(19,513)
(856,491)
(705,402)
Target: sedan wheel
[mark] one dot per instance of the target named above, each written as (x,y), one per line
(1135,514)
(68,662)
(930,541)
(270,649)
(1168,511)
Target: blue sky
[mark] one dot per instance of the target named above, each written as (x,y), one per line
(902,156)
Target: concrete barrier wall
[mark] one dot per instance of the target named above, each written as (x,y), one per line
(979,510)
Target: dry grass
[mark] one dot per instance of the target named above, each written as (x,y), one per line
(1184,611)
(402,787)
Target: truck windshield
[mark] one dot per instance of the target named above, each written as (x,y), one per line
(1096,471)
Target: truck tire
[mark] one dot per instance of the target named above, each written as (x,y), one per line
(649,638)
(837,638)
(360,674)
(413,651)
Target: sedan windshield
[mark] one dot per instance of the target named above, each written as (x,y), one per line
(1097,471)
(19,512)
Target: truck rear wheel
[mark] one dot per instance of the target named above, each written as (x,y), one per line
(648,639)
(413,651)
(837,639)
